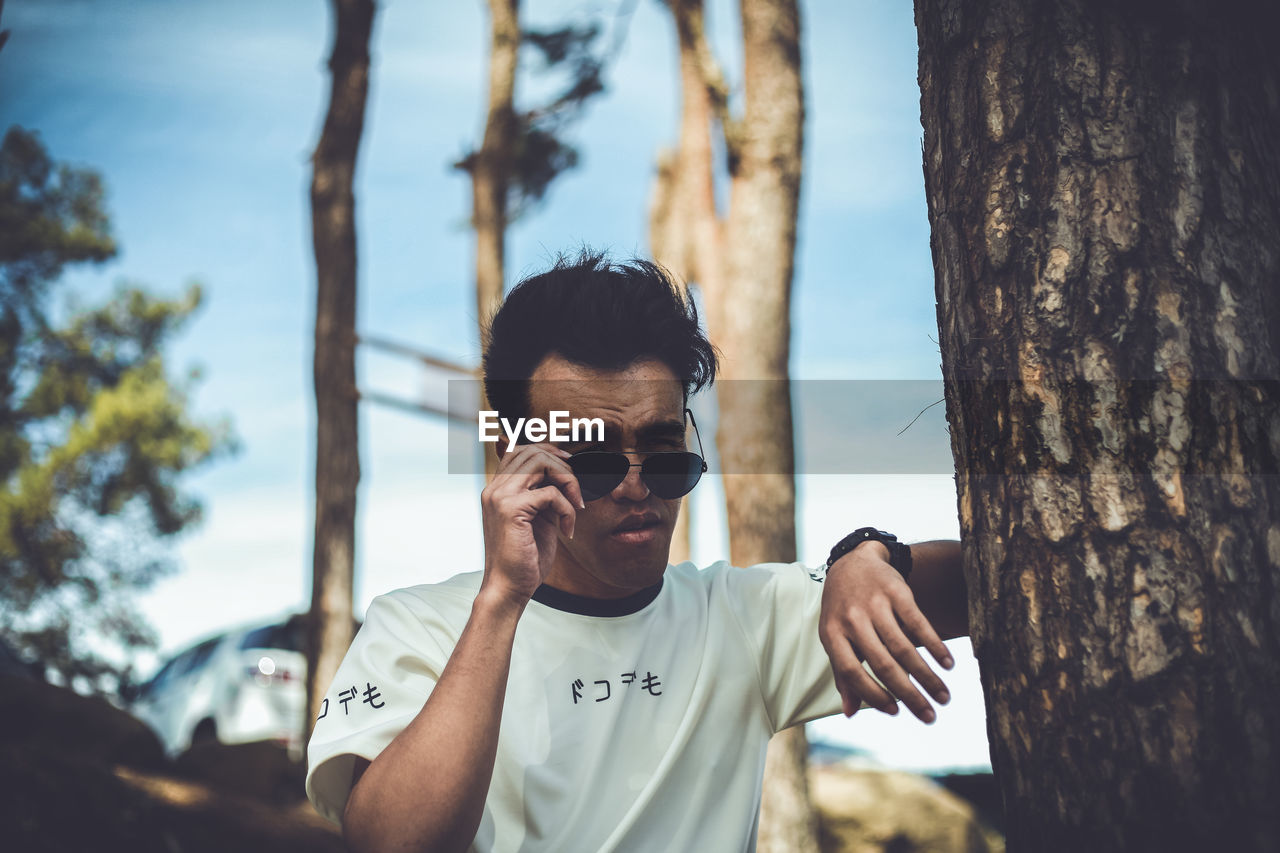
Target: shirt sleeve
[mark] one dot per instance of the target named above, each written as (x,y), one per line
(778,605)
(382,683)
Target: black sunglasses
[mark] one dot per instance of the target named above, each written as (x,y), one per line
(669,474)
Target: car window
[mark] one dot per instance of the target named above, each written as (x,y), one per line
(190,661)
(180,665)
(200,655)
(286,635)
(158,680)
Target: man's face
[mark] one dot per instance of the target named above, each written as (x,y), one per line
(622,540)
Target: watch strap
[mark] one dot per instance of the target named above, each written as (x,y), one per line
(899,552)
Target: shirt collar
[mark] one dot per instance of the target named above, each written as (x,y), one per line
(568,602)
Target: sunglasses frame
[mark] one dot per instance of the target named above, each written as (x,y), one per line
(649,455)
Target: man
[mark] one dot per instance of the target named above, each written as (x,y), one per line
(580,693)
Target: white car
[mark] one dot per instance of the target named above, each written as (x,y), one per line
(244,685)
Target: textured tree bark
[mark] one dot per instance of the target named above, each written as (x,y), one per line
(337,448)
(1104,194)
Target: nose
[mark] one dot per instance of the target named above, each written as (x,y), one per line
(632,487)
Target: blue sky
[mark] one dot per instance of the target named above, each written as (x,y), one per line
(201,116)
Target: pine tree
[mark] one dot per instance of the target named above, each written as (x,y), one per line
(94,434)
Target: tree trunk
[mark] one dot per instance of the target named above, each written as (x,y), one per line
(685,233)
(1104,194)
(491,173)
(668,244)
(337,449)
(750,320)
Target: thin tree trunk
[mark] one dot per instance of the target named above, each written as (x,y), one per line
(337,447)
(491,172)
(751,323)
(1104,194)
(668,244)
(684,230)
(703,102)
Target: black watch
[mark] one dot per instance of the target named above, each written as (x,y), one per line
(899,552)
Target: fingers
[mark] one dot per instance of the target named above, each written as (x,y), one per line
(918,627)
(878,638)
(550,498)
(531,466)
(880,622)
(534,482)
(894,658)
(853,681)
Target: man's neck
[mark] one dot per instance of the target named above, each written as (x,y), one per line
(567,575)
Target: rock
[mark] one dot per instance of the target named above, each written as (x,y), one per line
(866,809)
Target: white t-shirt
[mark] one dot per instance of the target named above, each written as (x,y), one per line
(637,732)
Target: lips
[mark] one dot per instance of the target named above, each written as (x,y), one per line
(638,522)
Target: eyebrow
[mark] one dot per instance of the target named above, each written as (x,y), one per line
(662,429)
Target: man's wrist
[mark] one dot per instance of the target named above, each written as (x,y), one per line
(878,548)
(863,549)
(895,553)
(500,603)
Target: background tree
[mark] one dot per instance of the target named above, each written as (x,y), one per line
(521,153)
(1104,195)
(94,435)
(685,232)
(743,265)
(333,228)
(490,167)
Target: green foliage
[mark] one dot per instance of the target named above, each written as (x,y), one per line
(94,436)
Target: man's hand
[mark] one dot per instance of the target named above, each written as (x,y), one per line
(869,613)
(533,495)
(448,750)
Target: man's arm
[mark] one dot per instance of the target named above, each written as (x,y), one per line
(937,582)
(427,789)
(869,613)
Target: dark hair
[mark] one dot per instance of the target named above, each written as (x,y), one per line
(599,314)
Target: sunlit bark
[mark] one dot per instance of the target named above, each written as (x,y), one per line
(1104,195)
(337,448)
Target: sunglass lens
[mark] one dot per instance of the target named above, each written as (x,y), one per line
(672,475)
(598,472)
